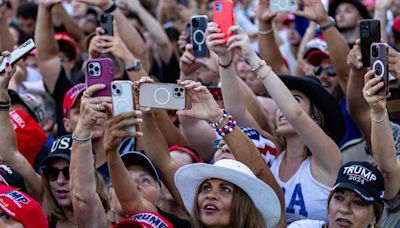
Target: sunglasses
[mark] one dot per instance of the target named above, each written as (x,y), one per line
(330,71)
(51,173)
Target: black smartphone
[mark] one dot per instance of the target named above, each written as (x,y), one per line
(379,62)
(370,32)
(198,30)
(106,23)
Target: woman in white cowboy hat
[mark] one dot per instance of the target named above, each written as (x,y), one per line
(226,194)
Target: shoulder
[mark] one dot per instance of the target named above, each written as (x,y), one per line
(307,223)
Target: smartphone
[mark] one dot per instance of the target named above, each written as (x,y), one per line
(17,54)
(370,32)
(163,95)
(223,15)
(122,98)
(198,34)
(100,71)
(283,5)
(106,23)
(379,62)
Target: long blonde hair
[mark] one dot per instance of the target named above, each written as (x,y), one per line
(243,211)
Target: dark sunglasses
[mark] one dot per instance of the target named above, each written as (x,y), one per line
(51,173)
(330,71)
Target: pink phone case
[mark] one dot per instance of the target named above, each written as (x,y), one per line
(100,71)
(223,16)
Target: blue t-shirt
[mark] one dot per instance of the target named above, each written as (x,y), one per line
(352,130)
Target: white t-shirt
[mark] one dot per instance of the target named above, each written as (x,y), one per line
(305,197)
(307,223)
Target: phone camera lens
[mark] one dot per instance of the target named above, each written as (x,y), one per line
(96,68)
(114,87)
(178,94)
(91,72)
(118,91)
(181,89)
(90,66)
(195,23)
(375,51)
(176,89)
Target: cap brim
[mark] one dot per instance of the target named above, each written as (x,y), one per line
(46,161)
(137,158)
(189,177)
(360,7)
(367,198)
(316,56)
(128,224)
(323,100)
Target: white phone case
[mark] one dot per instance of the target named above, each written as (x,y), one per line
(122,98)
(18,53)
(162,95)
(283,5)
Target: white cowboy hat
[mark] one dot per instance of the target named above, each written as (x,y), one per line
(189,177)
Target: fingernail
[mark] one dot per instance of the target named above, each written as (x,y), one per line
(139,120)
(139,133)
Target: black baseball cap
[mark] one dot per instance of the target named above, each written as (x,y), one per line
(137,158)
(362,178)
(61,148)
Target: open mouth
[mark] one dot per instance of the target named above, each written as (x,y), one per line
(210,208)
(343,222)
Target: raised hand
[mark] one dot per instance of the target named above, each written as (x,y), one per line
(113,44)
(188,63)
(263,13)
(102,4)
(314,11)
(5,77)
(372,85)
(203,104)
(240,43)
(214,40)
(116,127)
(49,3)
(354,58)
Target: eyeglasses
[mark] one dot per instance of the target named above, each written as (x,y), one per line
(51,173)
(330,71)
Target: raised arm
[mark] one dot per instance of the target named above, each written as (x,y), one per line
(46,45)
(7,42)
(9,154)
(337,45)
(205,107)
(70,26)
(269,50)
(126,190)
(237,96)
(154,28)
(88,208)
(171,133)
(382,142)
(326,154)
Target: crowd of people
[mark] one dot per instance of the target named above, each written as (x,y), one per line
(284,126)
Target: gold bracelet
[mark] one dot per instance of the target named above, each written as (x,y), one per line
(381,120)
(263,76)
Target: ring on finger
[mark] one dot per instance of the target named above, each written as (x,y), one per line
(369,93)
(98,107)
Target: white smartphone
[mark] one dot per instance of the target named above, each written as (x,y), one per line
(17,54)
(122,98)
(283,5)
(163,95)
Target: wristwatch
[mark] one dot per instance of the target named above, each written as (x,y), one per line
(330,24)
(136,66)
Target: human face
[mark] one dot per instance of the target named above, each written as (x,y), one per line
(7,221)
(328,82)
(243,69)
(283,127)
(346,209)
(255,84)
(347,16)
(145,183)
(60,187)
(294,37)
(214,203)
(223,151)
(28,25)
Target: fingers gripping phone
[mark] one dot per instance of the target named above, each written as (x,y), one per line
(162,95)
(223,16)
(197,31)
(122,98)
(17,54)
(379,63)
(106,23)
(283,5)
(370,32)
(100,71)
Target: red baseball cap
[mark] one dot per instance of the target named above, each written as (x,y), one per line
(64,37)
(30,136)
(22,208)
(144,220)
(396,24)
(315,51)
(71,96)
(186,150)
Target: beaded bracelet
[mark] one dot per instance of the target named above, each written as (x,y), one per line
(216,124)
(80,140)
(227,127)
